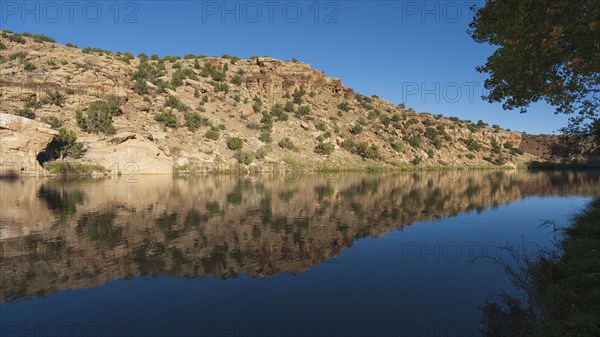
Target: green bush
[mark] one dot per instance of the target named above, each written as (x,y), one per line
(244,157)
(362,149)
(298,94)
(175,103)
(262,152)
(266,136)
(213,133)
(25,112)
(54,122)
(221,87)
(55,97)
(194,120)
(2,46)
(414,141)
(66,145)
(287,143)
(181,74)
(278,111)
(356,129)
(235,143)
(167,117)
(324,148)
(97,118)
(29,66)
(236,80)
(344,106)
(302,111)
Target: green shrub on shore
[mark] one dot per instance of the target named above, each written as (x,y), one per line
(325,148)
(287,144)
(235,143)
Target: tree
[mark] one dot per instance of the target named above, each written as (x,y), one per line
(546,51)
(66,144)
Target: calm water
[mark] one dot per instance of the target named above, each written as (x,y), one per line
(309,255)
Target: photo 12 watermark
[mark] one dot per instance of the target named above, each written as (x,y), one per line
(71,12)
(320,12)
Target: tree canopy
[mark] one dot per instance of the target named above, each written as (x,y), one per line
(547,50)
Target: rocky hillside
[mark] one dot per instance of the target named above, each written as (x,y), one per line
(156,115)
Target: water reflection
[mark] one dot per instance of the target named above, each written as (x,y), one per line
(72,235)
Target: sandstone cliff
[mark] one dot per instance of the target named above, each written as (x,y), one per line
(180,113)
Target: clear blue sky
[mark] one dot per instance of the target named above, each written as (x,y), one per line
(404,51)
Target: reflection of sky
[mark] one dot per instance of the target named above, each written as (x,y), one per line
(379,286)
(375,47)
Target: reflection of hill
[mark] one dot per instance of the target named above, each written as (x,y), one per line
(75,235)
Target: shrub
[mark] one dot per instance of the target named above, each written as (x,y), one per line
(213,133)
(181,74)
(2,46)
(287,143)
(356,129)
(470,155)
(414,141)
(344,106)
(175,103)
(471,144)
(362,149)
(42,38)
(302,111)
(257,106)
(166,117)
(66,144)
(236,80)
(54,122)
(278,112)
(221,87)
(235,143)
(55,97)
(25,112)
(194,120)
(97,118)
(298,94)
(324,148)
(289,107)
(262,152)
(148,72)
(266,136)
(243,157)
(417,161)
(29,66)
(512,149)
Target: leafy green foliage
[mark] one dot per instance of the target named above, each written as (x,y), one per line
(66,144)
(25,112)
(543,51)
(324,148)
(97,117)
(362,149)
(287,144)
(167,117)
(175,103)
(235,143)
(213,133)
(55,97)
(244,157)
(181,74)
(193,120)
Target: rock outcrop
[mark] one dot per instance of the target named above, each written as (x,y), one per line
(21,141)
(264,101)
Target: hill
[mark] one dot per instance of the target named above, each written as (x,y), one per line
(195,113)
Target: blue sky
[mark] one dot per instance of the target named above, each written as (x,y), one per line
(417,52)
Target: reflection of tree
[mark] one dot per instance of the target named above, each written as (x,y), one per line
(561,287)
(60,199)
(99,227)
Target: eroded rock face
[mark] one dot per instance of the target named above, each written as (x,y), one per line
(21,140)
(318,109)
